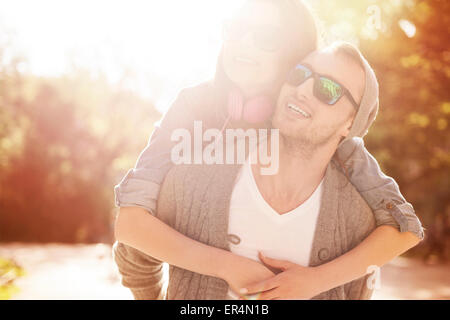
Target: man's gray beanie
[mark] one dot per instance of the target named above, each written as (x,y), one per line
(368,108)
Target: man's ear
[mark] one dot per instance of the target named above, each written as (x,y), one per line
(347,126)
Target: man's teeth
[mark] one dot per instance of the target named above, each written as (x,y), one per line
(299,110)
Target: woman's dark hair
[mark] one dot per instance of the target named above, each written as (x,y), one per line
(303,36)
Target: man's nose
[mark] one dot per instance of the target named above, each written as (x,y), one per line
(305,90)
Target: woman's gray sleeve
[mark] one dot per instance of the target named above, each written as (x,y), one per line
(141,184)
(143,274)
(381,192)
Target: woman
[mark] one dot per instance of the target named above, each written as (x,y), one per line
(261,45)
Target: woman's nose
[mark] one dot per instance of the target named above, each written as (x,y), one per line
(247,39)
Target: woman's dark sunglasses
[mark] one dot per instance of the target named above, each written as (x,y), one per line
(265,37)
(327,90)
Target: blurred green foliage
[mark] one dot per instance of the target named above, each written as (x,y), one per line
(9,273)
(64,143)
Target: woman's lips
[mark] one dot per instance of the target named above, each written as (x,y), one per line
(245,60)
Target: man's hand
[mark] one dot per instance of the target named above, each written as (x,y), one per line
(295,282)
(239,271)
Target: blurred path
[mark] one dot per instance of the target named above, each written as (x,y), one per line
(59,271)
(411,279)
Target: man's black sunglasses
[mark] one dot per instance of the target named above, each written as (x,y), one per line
(326,89)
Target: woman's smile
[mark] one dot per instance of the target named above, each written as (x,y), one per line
(245,61)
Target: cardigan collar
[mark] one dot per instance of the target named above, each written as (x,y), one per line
(323,247)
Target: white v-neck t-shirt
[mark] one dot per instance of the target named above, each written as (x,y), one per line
(259,227)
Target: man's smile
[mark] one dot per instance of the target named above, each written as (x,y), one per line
(297,109)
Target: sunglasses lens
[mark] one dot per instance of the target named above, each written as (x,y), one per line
(328,91)
(267,39)
(233,30)
(298,75)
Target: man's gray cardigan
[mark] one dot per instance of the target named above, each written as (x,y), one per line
(195,199)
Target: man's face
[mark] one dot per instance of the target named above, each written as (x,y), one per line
(323,123)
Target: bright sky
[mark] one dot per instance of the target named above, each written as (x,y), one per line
(175,40)
(167,44)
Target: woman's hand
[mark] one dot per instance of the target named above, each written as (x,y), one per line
(239,271)
(295,282)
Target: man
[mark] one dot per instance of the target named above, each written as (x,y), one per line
(315,112)
(307,217)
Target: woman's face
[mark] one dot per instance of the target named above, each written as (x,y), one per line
(254,49)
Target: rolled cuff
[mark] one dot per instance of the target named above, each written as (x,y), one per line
(400,216)
(134,192)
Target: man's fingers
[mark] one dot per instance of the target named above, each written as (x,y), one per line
(260,286)
(270,294)
(279,264)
